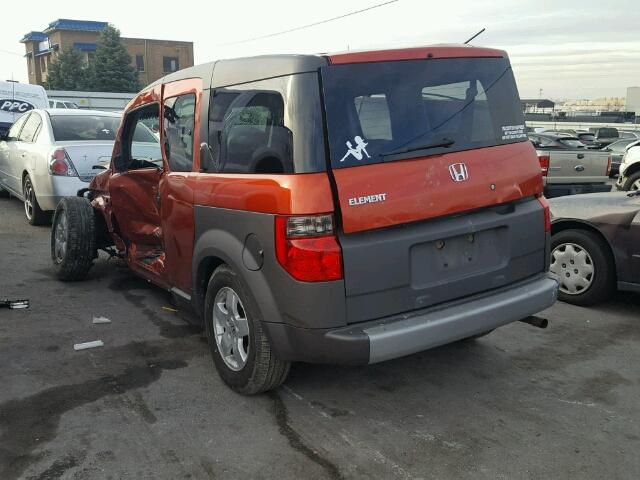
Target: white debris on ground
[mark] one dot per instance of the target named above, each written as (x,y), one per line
(85,345)
(101,320)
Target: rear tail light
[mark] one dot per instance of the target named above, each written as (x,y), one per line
(609,165)
(60,164)
(544,164)
(307,248)
(547,213)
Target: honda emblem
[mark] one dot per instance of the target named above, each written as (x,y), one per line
(458,172)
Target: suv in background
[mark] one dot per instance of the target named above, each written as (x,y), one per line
(603,136)
(346,209)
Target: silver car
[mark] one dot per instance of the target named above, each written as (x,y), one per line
(50,154)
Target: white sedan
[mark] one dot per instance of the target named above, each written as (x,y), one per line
(50,154)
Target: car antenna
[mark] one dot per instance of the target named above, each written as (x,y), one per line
(465,43)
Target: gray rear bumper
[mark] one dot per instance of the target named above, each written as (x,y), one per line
(398,338)
(400,335)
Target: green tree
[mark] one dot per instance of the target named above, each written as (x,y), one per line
(67,72)
(110,70)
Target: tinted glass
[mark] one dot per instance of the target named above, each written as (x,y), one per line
(608,133)
(269,126)
(377,112)
(84,127)
(178,132)
(31,128)
(571,142)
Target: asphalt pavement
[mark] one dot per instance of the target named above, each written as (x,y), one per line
(521,403)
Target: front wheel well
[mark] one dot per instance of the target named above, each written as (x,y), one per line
(206,267)
(561,226)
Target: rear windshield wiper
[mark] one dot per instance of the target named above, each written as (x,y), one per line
(444,142)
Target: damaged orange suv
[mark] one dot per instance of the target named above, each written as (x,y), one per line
(345,209)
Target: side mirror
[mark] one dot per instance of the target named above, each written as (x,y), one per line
(4,135)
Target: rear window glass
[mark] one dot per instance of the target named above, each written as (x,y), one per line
(68,128)
(587,137)
(608,133)
(571,142)
(386,111)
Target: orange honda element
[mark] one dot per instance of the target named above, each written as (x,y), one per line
(344,209)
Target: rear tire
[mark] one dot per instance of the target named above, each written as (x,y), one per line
(35,215)
(633,182)
(73,238)
(575,253)
(249,365)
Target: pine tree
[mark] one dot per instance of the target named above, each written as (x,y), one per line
(67,72)
(110,70)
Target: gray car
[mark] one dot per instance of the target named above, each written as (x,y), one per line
(595,245)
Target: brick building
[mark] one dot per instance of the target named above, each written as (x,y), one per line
(152,58)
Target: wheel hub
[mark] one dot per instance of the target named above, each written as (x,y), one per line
(574,267)
(231,329)
(635,185)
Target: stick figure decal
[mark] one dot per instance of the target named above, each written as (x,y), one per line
(361,146)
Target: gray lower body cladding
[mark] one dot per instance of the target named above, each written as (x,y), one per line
(400,335)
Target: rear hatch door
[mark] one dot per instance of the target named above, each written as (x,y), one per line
(435,181)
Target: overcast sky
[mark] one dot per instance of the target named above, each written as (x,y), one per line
(567,48)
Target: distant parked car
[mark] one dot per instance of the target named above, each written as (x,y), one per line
(62,104)
(604,135)
(595,245)
(629,134)
(617,150)
(568,167)
(629,178)
(50,154)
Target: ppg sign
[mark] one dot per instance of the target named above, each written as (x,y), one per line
(15,106)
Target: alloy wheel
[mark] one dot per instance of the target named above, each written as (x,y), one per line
(28,199)
(574,267)
(231,329)
(635,185)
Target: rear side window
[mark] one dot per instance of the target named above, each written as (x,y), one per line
(14,131)
(31,128)
(386,111)
(84,127)
(178,132)
(267,127)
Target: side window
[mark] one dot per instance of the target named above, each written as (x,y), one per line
(140,147)
(247,132)
(14,131)
(31,128)
(179,118)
